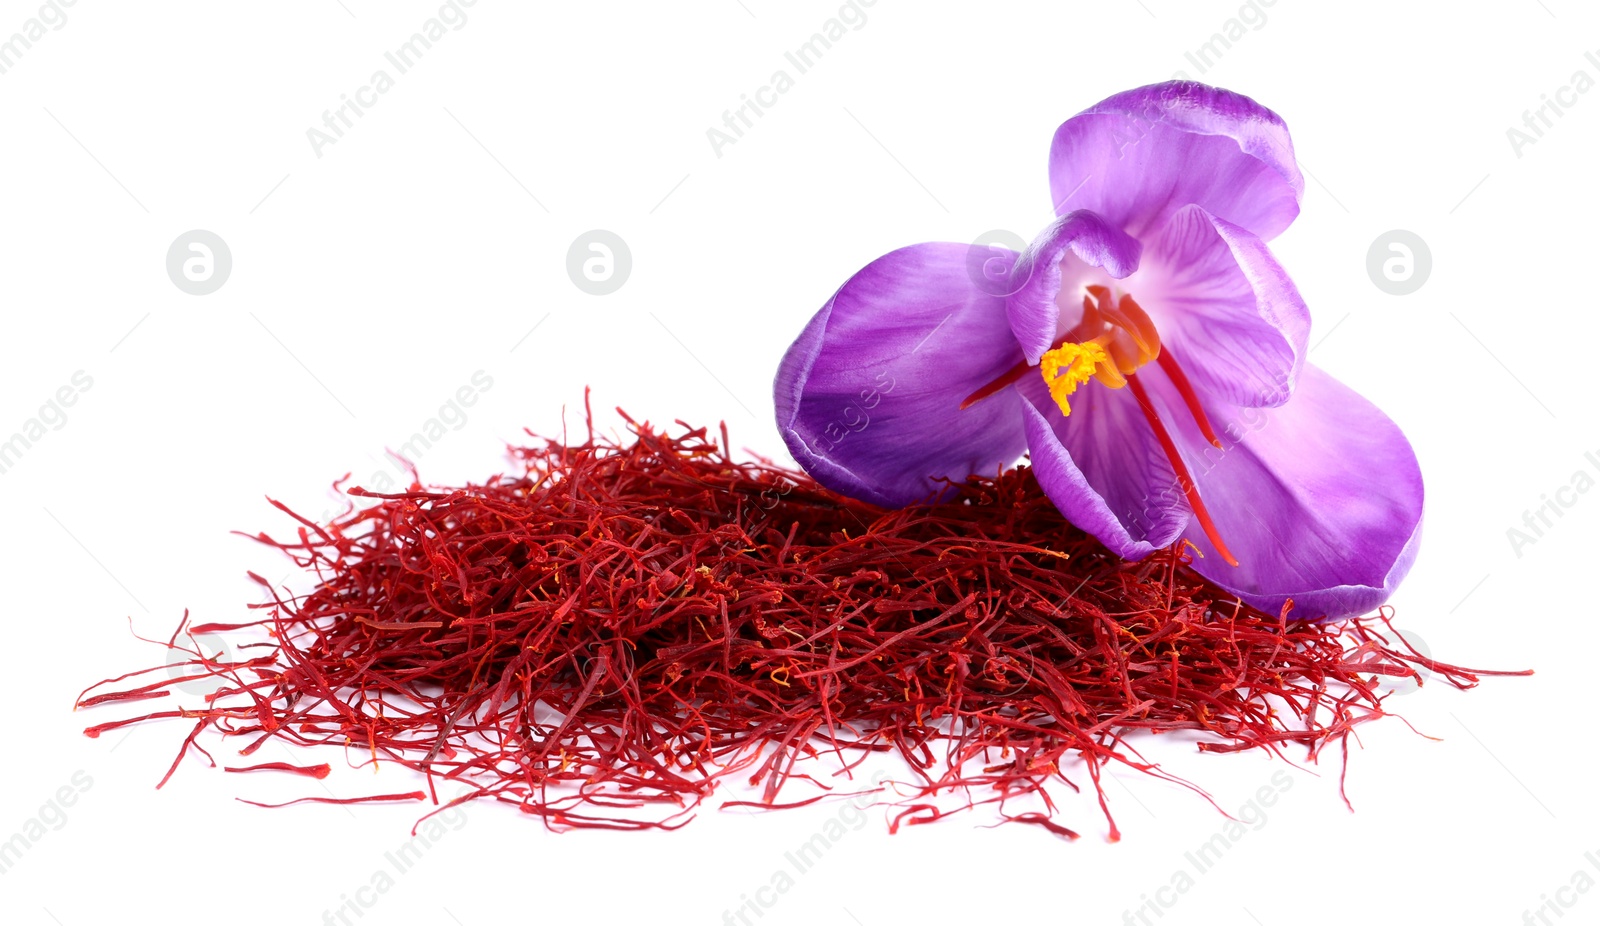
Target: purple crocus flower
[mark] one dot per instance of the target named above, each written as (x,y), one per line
(1146,350)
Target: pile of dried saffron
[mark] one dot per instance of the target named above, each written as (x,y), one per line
(602,638)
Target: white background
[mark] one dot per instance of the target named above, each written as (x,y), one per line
(372,282)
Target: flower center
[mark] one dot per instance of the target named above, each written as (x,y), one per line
(1114,339)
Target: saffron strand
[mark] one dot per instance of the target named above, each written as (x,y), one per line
(1185,481)
(311,771)
(1180,381)
(617,629)
(371,799)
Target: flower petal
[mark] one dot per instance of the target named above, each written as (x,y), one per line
(1320,499)
(1226,309)
(1103,467)
(1046,269)
(1141,155)
(868,397)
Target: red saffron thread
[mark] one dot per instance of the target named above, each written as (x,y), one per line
(603,638)
(312,771)
(370,799)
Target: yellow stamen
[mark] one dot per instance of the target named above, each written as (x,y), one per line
(1069,366)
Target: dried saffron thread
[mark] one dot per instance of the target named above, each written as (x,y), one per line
(321,770)
(604,637)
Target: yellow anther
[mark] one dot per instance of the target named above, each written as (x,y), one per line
(1068,367)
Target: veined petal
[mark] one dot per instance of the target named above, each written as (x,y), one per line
(1139,156)
(1104,468)
(1075,249)
(868,397)
(1320,499)
(1226,309)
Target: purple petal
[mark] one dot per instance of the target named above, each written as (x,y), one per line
(1320,499)
(1047,269)
(868,397)
(1226,309)
(1141,155)
(1103,467)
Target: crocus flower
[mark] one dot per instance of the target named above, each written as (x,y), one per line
(1146,350)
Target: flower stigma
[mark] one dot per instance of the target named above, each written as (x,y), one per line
(1113,340)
